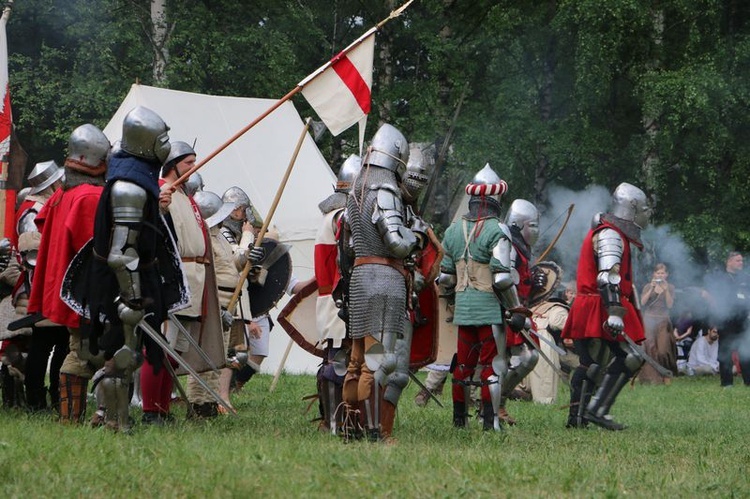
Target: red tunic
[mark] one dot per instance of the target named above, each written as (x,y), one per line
(512,338)
(326,257)
(66,222)
(588,313)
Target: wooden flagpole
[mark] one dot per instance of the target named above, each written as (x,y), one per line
(267,221)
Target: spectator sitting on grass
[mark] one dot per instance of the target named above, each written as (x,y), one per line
(704,354)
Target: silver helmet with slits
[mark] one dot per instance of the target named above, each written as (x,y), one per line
(144,134)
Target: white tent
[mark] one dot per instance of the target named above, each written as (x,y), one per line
(256,162)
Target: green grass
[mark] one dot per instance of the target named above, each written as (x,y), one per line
(689,439)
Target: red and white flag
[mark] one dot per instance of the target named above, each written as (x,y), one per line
(7,196)
(340,90)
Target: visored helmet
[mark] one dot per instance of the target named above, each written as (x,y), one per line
(630,203)
(144,134)
(524,215)
(88,146)
(417,174)
(389,149)
(44,175)
(212,208)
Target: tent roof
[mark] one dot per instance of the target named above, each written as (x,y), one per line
(256,162)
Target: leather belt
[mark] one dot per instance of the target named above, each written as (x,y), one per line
(197,259)
(381,260)
(325,290)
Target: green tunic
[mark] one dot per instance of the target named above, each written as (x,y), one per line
(474,307)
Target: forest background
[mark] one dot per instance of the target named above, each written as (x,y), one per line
(570,93)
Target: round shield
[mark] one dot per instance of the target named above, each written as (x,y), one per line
(554,276)
(274,276)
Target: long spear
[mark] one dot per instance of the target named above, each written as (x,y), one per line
(395,13)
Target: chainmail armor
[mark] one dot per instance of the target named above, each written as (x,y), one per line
(333,202)
(480,208)
(377,295)
(74,179)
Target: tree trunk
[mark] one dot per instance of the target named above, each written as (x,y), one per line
(650,163)
(545,113)
(159,38)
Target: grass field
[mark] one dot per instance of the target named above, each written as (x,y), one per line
(689,439)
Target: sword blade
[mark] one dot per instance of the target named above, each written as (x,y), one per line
(421,385)
(640,351)
(159,340)
(194,344)
(559,351)
(557,370)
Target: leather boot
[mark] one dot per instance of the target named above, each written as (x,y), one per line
(73,394)
(459,414)
(387,417)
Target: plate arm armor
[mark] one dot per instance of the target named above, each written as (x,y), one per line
(505,281)
(609,248)
(447,284)
(127,201)
(388,217)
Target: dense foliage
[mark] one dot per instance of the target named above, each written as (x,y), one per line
(565,92)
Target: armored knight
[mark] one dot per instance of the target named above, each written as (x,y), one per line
(522,219)
(46,337)
(381,240)
(137,277)
(66,223)
(227,265)
(237,229)
(330,326)
(391,378)
(478,270)
(604,310)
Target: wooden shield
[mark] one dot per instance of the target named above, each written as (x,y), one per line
(554,276)
(278,264)
(297,318)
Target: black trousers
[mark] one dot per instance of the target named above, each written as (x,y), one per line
(729,342)
(43,341)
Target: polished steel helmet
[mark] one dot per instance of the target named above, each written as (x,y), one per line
(389,149)
(144,134)
(486,176)
(486,190)
(417,174)
(44,175)
(193,184)
(348,172)
(88,145)
(177,151)
(524,215)
(630,203)
(236,196)
(212,208)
